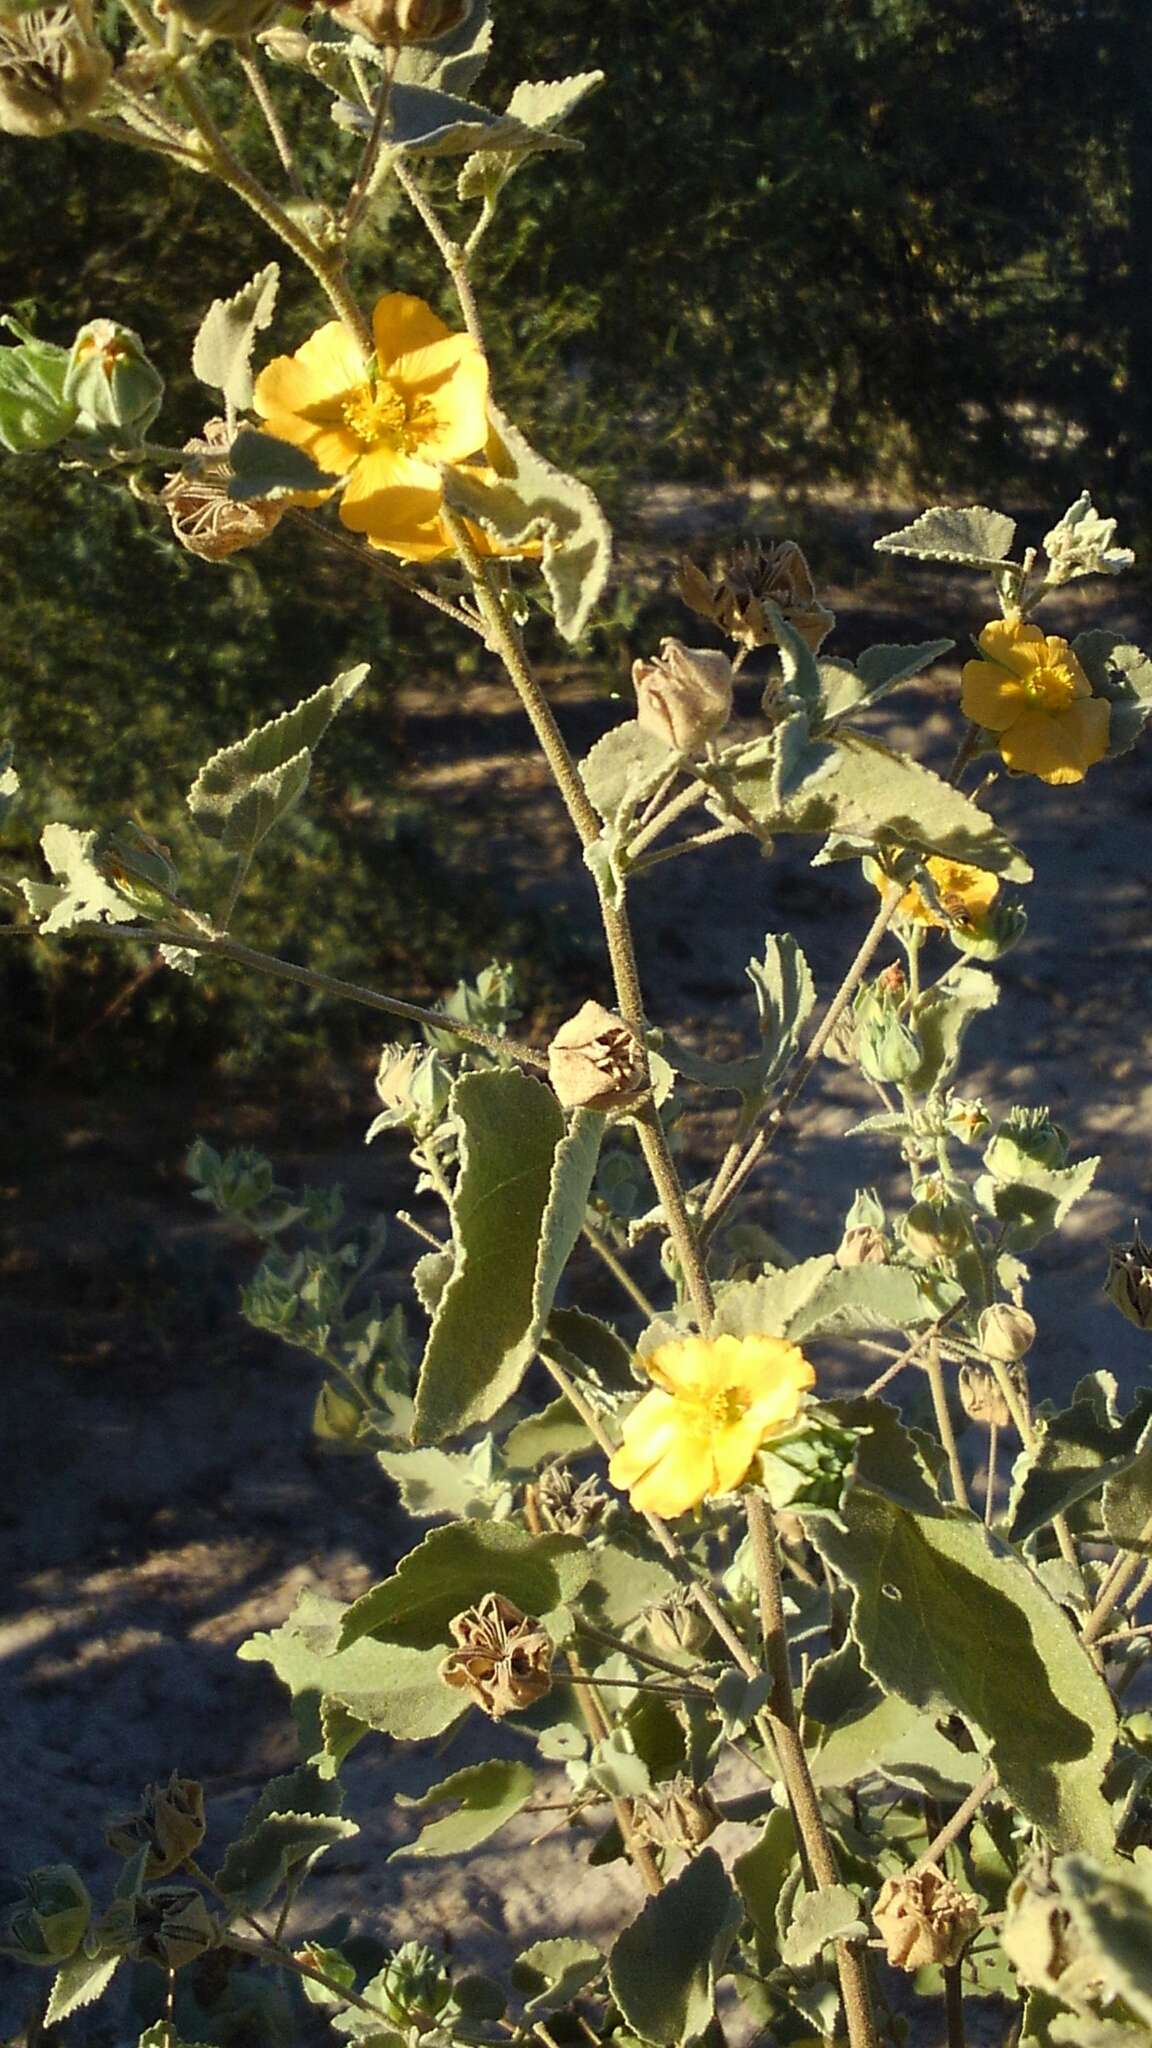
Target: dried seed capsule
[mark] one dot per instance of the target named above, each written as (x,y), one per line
(504,1658)
(52,71)
(204,518)
(862,1246)
(1128,1283)
(982,1398)
(169,1819)
(925,1918)
(596,1060)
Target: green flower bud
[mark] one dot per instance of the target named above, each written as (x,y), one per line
(337,1416)
(1027,1138)
(414,1086)
(52,71)
(49,1918)
(34,412)
(413,1987)
(965,1119)
(936,1228)
(1128,1284)
(886,1049)
(678,1628)
(110,379)
(807,1467)
(173,1925)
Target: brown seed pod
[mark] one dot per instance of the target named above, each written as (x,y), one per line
(204,518)
(504,1658)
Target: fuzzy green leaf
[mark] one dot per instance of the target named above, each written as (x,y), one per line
(387,1686)
(926,1588)
(551,1974)
(540,106)
(856,1299)
(80,893)
(1123,674)
(222,351)
(942,1017)
(878,670)
(530,499)
(622,769)
(899,1742)
(424,122)
(453,1568)
(969,534)
(556,1432)
(590,1350)
(455,60)
(760,1876)
(859,788)
(1076,1453)
(516,1212)
(1112,1912)
(434,1482)
(246,788)
(259,1864)
(263,466)
(620,1584)
(483,1797)
(80,1981)
(766,1307)
(663,1967)
(830,1914)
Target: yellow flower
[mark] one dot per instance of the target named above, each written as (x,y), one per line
(964,894)
(716,1400)
(385,424)
(1032,692)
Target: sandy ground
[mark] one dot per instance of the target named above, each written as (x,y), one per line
(163,1498)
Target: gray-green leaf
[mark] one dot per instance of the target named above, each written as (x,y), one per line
(482,1797)
(1123,674)
(663,1967)
(830,1914)
(222,351)
(550,1974)
(453,1568)
(969,534)
(246,788)
(80,893)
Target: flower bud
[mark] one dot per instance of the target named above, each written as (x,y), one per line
(1128,1283)
(1005,1332)
(1027,1138)
(925,1918)
(981,1396)
(862,1246)
(936,1229)
(678,1814)
(414,1086)
(886,1048)
(678,1628)
(171,1925)
(413,1986)
(1080,544)
(52,72)
(169,1819)
(49,1917)
(992,936)
(34,412)
(685,697)
(205,520)
(596,1060)
(965,1119)
(110,379)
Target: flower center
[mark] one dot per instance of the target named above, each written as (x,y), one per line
(381,417)
(725,1408)
(1050,689)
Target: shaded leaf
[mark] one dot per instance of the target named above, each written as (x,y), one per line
(434,1482)
(425,122)
(1123,674)
(819,1917)
(1076,1453)
(551,1974)
(541,107)
(483,1797)
(488,1319)
(760,1875)
(878,670)
(387,1686)
(556,1432)
(622,769)
(926,1587)
(941,1018)
(1112,1912)
(256,1866)
(591,1351)
(263,466)
(663,1967)
(899,1742)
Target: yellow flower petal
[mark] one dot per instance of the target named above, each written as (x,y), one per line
(447,386)
(390,498)
(990,696)
(681,1480)
(325,370)
(401,323)
(1012,644)
(1058,749)
(715,1401)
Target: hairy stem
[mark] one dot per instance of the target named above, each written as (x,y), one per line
(224,948)
(455,257)
(1126,1567)
(954,1828)
(944,1422)
(258,86)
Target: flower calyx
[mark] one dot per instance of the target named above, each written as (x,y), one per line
(169,1821)
(53,71)
(1128,1283)
(596,1060)
(503,1657)
(754,584)
(684,696)
(205,520)
(568,1506)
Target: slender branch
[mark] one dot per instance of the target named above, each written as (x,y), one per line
(250,65)
(1125,1568)
(684,800)
(619,1271)
(219,945)
(372,558)
(954,1828)
(954,2004)
(454,256)
(362,183)
(766,1135)
(627,1649)
(1018,1410)
(990,1483)
(679,846)
(944,1422)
